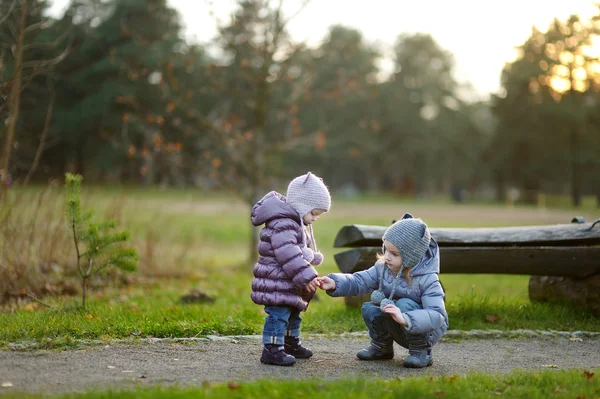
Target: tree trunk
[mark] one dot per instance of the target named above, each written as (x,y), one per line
(15,102)
(575,181)
(41,146)
(579,292)
(254,233)
(254,237)
(80,157)
(597,189)
(83,290)
(500,188)
(149,170)
(257,155)
(530,191)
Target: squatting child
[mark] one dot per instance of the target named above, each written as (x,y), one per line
(407,299)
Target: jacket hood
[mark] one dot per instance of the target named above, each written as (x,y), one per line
(272,206)
(430,262)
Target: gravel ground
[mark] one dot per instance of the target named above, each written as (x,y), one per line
(130,365)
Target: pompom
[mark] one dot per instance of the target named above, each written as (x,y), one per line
(377,296)
(385,302)
(308,254)
(318,259)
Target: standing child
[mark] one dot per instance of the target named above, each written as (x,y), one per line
(284,280)
(407,299)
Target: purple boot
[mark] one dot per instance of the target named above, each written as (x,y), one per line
(275,354)
(293,346)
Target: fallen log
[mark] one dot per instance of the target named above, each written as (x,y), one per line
(563,260)
(577,262)
(357,235)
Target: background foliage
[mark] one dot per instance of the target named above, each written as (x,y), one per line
(112,91)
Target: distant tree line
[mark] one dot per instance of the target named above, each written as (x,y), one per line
(112,91)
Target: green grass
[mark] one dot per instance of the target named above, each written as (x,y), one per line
(518,384)
(203,239)
(154,311)
(189,239)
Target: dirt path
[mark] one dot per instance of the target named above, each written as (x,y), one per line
(128,365)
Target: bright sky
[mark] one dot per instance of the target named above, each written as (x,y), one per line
(481,34)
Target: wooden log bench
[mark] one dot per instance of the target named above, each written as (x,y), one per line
(563,260)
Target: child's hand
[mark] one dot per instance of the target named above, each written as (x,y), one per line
(312,285)
(396,314)
(326,283)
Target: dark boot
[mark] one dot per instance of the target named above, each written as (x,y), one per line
(293,346)
(275,354)
(376,351)
(419,352)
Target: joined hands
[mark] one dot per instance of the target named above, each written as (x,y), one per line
(326,283)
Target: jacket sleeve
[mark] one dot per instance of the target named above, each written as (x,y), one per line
(289,255)
(433,315)
(358,283)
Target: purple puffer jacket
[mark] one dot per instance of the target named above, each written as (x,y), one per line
(281,273)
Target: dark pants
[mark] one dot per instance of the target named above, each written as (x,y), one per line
(281,321)
(383,329)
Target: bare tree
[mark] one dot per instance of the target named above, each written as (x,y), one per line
(256,92)
(15,96)
(25,70)
(43,136)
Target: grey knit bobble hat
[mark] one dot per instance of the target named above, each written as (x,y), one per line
(411,236)
(308,192)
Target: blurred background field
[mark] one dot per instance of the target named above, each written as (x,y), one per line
(196,243)
(460,119)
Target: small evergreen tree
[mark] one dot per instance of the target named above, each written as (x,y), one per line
(95,241)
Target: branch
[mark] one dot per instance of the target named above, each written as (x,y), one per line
(13,27)
(217,135)
(275,28)
(9,12)
(15,101)
(99,269)
(74,229)
(53,44)
(45,130)
(34,219)
(134,36)
(48,63)
(40,25)
(214,16)
(294,15)
(89,269)
(30,295)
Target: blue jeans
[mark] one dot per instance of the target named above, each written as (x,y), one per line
(281,321)
(382,328)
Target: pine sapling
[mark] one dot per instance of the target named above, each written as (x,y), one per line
(96,243)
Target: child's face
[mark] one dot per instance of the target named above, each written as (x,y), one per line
(313,215)
(391,255)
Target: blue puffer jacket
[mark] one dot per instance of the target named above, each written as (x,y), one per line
(425,289)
